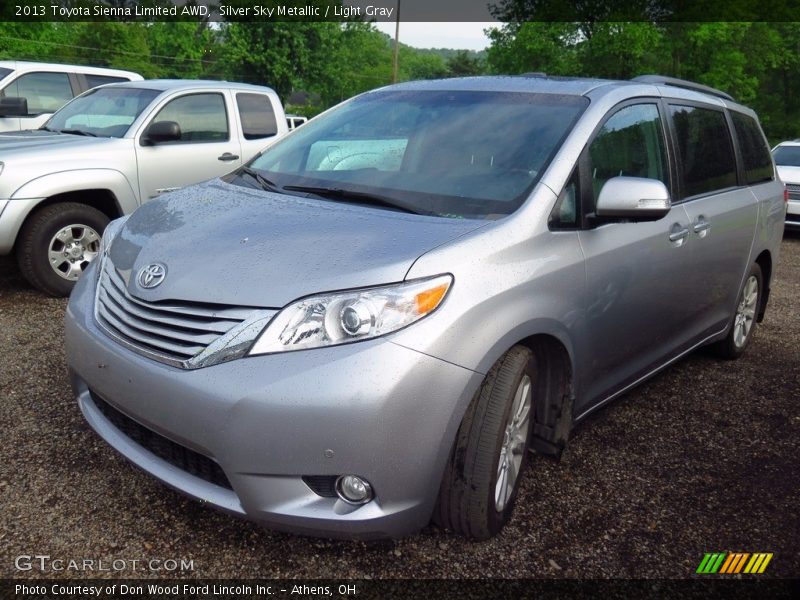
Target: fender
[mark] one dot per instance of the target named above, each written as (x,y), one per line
(30,195)
(82,179)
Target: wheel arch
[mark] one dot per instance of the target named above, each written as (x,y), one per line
(555,391)
(103,200)
(764,261)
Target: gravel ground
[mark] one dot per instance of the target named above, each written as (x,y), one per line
(702,458)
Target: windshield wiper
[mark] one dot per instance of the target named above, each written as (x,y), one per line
(344,195)
(77,132)
(263,182)
(46,128)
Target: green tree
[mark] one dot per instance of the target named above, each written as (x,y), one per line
(120,45)
(621,50)
(464,65)
(39,41)
(182,49)
(534,47)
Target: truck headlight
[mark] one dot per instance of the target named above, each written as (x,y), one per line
(343,317)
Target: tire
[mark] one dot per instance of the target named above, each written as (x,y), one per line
(78,225)
(745,319)
(470,500)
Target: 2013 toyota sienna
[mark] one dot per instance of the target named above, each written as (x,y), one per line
(372,322)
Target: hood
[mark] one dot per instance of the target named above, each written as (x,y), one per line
(789,174)
(222,243)
(36,140)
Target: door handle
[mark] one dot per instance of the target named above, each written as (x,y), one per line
(679,235)
(701,226)
(227,157)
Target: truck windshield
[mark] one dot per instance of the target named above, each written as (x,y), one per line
(458,154)
(787,156)
(102,112)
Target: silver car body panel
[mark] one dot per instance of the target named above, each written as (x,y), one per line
(623,299)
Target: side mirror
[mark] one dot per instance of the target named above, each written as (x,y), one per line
(163,131)
(13,106)
(634,198)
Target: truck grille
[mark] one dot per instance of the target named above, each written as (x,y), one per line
(794,191)
(170,331)
(179,456)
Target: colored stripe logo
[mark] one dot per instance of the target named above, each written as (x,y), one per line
(734,562)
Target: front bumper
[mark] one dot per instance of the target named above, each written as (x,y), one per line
(374,409)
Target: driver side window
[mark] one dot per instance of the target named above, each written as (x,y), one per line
(201,117)
(631,144)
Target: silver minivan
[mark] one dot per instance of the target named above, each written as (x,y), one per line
(374,321)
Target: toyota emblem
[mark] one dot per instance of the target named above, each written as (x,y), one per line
(151,276)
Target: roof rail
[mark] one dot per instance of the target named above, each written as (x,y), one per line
(682,83)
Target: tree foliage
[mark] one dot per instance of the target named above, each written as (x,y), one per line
(757,63)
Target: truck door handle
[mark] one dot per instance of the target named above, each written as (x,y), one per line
(701,226)
(227,157)
(679,235)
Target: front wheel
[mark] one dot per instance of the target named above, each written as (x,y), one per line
(482,477)
(743,327)
(57,243)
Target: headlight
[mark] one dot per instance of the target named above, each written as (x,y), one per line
(340,318)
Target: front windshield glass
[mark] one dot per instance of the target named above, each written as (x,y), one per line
(787,156)
(448,153)
(102,112)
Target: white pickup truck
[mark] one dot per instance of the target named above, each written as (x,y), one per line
(30,92)
(111,149)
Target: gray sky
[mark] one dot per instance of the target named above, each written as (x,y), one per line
(461,36)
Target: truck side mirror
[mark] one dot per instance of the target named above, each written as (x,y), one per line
(163,131)
(13,106)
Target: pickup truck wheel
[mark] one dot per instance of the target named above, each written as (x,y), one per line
(745,320)
(57,243)
(482,477)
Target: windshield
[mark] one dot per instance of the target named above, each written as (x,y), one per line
(787,156)
(103,112)
(455,154)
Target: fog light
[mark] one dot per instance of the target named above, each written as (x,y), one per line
(353,490)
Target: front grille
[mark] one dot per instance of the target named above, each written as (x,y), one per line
(794,191)
(179,456)
(173,330)
(321,485)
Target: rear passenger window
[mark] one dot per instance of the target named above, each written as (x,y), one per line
(258,118)
(753,146)
(201,117)
(630,144)
(45,92)
(95,80)
(705,149)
